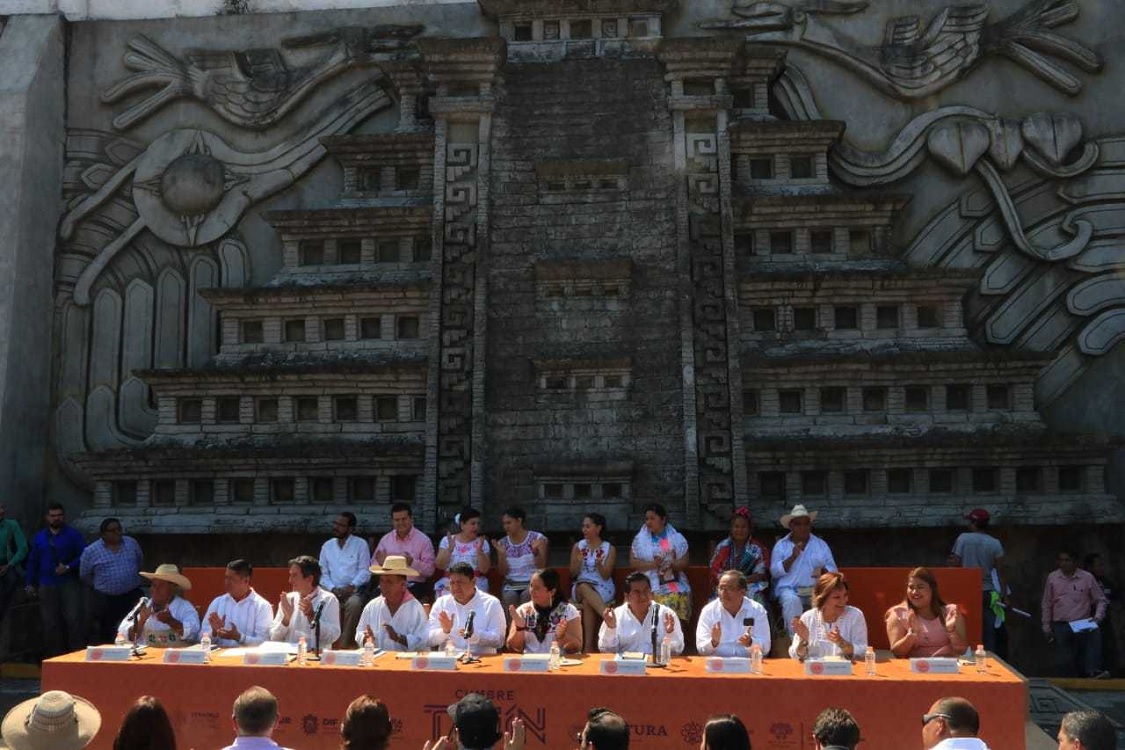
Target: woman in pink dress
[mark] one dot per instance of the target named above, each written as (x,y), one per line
(923,624)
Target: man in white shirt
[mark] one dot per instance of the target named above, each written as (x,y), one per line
(731,624)
(450,615)
(631,626)
(306,604)
(394,620)
(344,563)
(165,619)
(241,616)
(798,559)
(254,718)
(951,724)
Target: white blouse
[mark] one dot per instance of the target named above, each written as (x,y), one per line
(851,625)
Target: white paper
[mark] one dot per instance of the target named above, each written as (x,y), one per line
(282,646)
(1082,626)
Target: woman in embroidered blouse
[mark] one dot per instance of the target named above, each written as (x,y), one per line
(741,552)
(923,624)
(547,617)
(468,546)
(831,627)
(518,555)
(591,567)
(661,552)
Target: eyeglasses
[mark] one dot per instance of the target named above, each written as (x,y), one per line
(114,530)
(927,718)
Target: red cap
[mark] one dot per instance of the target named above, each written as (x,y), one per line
(978,514)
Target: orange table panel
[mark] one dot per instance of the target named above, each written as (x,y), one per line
(666,708)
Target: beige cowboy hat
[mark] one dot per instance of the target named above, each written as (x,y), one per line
(798,511)
(170,573)
(394,565)
(53,721)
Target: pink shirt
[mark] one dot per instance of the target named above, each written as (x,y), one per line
(930,636)
(1074,598)
(417,544)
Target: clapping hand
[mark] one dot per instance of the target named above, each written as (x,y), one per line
(515,739)
(368,633)
(391,633)
(669,622)
(448,742)
(800,629)
(610,618)
(306,606)
(716,634)
(218,624)
(833,636)
(951,619)
(446,621)
(286,607)
(560,632)
(517,617)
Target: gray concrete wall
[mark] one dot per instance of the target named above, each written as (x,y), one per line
(32,110)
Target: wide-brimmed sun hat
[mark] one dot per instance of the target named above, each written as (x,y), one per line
(798,511)
(53,721)
(394,565)
(170,573)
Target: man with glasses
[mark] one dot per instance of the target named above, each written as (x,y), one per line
(731,624)
(951,724)
(52,575)
(1074,606)
(604,730)
(639,621)
(345,560)
(111,566)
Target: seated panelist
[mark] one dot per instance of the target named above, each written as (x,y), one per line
(394,620)
(471,618)
(298,610)
(733,623)
(631,626)
(166,619)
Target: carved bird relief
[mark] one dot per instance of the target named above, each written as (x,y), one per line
(253,88)
(917,60)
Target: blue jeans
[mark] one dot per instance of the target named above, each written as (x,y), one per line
(1077,654)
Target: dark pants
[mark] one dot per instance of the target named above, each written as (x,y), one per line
(9,584)
(106,613)
(61,608)
(994,639)
(1077,654)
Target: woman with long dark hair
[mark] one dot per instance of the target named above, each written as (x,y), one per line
(547,617)
(725,732)
(923,624)
(366,725)
(146,726)
(591,568)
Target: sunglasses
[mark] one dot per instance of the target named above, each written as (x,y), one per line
(927,718)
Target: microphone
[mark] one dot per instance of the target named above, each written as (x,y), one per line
(655,643)
(469,625)
(316,615)
(136,608)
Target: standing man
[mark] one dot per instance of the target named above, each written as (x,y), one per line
(731,624)
(344,570)
(307,600)
(241,616)
(406,541)
(1086,730)
(111,566)
(798,559)
(472,619)
(951,724)
(13,551)
(1073,595)
(52,575)
(835,729)
(976,548)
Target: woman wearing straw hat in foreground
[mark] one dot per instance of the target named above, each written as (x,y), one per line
(53,721)
(166,620)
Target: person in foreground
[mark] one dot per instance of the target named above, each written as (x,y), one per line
(604,730)
(731,624)
(472,619)
(394,620)
(634,625)
(476,726)
(53,721)
(951,724)
(254,719)
(835,729)
(725,732)
(166,619)
(546,618)
(923,624)
(298,610)
(831,627)
(146,726)
(1086,730)
(366,725)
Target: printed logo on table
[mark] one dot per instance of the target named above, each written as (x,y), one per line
(816,668)
(923,666)
(781,730)
(309,724)
(692,732)
(610,667)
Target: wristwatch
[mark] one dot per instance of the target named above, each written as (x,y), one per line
(521,628)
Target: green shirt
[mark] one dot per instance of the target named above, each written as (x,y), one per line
(10,530)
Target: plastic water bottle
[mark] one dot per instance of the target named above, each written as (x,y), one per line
(666,650)
(302,652)
(755,659)
(981,659)
(205,645)
(556,657)
(368,651)
(869,661)
(450,650)
(120,640)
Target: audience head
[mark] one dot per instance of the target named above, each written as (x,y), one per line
(514,519)
(593,526)
(53,721)
(1086,730)
(922,592)
(255,712)
(146,726)
(978,518)
(1067,562)
(799,521)
(462,585)
(831,589)
(656,518)
(741,525)
(835,727)
(604,730)
(56,516)
(111,530)
(344,525)
(468,521)
(477,721)
(304,574)
(402,518)
(367,725)
(949,717)
(725,732)
(236,579)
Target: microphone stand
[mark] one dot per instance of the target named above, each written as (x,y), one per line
(467,657)
(316,632)
(655,644)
